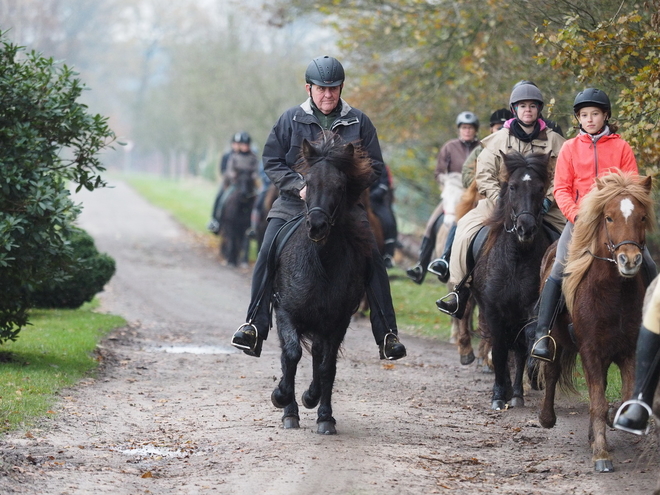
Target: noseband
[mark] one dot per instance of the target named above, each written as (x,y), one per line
(515,216)
(611,247)
(330,218)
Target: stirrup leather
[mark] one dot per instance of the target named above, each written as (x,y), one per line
(242,346)
(554,350)
(624,407)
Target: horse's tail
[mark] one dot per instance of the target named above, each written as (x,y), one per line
(468,201)
(568,362)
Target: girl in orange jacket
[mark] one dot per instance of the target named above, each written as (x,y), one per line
(596,151)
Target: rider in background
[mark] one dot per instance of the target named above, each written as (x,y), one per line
(440,266)
(234,149)
(451,158)
(596,151)
(525,133)
(381,197)
(323,110)
(243,159)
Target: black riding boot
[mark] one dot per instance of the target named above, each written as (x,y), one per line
(417,273)
(440,266)
(548,308)
(382,316)
(249,336)
(455,302)
(633,415)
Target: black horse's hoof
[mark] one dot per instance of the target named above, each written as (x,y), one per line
(291,422)
(277,399)
(498,405)
(326,428)
(467,358)
(517,402)
(308,401)
(604,466)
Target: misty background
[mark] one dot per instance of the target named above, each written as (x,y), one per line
(176,79)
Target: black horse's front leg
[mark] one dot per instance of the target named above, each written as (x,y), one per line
(312,395)
(502,385)
(327,371)
(284,394)
(518,399)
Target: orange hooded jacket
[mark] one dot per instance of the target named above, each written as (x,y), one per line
(581,160)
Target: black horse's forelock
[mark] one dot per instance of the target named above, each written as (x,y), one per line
(331,148)
(536,163)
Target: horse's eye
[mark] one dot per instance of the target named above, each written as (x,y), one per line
(608,219)
(512,187)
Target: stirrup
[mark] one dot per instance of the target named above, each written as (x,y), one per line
(391,357)
(554,351)
(244,347)
(621,410)
(460,305)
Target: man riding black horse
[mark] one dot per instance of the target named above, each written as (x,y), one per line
(323,110)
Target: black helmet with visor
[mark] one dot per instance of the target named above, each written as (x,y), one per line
(325,71)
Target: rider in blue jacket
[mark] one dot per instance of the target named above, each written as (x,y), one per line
(323,110)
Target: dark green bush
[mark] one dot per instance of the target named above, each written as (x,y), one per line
(48,139)
(84,276)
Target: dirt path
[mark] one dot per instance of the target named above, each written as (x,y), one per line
(176,410)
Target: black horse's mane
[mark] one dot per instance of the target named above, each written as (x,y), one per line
(348,158)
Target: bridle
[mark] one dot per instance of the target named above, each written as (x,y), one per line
(330,218)
(611,247)
(515,216)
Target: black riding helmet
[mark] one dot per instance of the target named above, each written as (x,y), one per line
(325,71)
(242,137)
(500,116)
(592,97)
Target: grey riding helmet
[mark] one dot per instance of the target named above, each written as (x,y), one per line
(592,97)
(325,71)
(467,118)
(523,92)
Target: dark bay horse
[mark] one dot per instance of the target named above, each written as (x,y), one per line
(235,220)
(506,276)
(604,290)
(321,274)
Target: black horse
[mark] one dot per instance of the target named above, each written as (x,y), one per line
(506,277)
(322,274)
(235,218)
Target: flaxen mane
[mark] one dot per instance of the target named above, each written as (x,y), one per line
(585,235)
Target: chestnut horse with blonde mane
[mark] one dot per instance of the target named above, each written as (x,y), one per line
(604,289)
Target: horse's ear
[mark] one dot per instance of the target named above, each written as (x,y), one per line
(599,183)
(350,149)
(645,182)
(308,151)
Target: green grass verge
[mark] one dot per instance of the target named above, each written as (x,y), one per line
(189,200)
(52,353)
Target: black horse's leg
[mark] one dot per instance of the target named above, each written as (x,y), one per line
(501,366)
(327,373)
(312,395)
(284,394)
(518,393)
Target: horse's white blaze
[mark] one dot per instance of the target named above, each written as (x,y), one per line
(526,178)
(627,207)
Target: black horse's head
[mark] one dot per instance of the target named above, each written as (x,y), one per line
(335,175)
(520,206)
